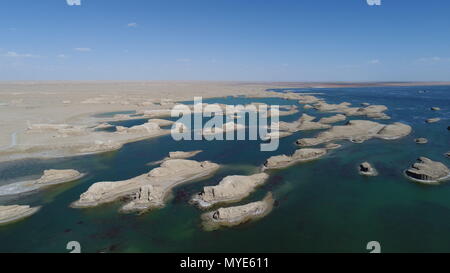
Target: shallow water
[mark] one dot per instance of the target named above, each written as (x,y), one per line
(323,206)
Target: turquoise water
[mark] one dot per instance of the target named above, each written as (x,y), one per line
(322,206)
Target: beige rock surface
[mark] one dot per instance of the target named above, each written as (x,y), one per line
(426,170)
(233,216)
(358,131)
(232,188)
(300,155)
(50,177)
(433,120)
(333,119)
(149,190)
(14,213)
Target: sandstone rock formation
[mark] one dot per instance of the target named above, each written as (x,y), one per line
(232,188)
(371,111)
(304,123)
(233,216)
(427,171)
(276,135)
(421,140)
(227,127)
(183,155)
(161,122)
(13,213)
(144,128)
(333,119)
(149,190)
(366,169)
(58,176)
(50,177)
(300,155)
(358,131)
(332,146)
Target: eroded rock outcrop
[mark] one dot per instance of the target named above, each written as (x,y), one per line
(300,155)
(13,213)
(232,188)
(421,140)
(358,131)
(366,168)
(433,120)
(304,123)
(233,216)
(138,129)
(333,119)
(149,190)
(50,177)
(426,170)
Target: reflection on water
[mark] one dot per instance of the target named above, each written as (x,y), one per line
(322,206)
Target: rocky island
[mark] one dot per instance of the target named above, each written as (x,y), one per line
(300,155)
(231,189)
(428,171)
(149,190)
(233,216)
(50,177)
(366,169)
(358,131)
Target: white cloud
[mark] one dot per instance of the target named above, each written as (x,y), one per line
(375,61)
(132,25)
(13,54)
(62,56)
(83,49)
(434,59)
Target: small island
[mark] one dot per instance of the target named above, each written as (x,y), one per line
(231,189)
(50,177)
(366,169)
(148,190)
(428,171)
(300,155)
(233,216)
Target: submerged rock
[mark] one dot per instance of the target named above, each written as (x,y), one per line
(232,188)
(300,155)
(421,140)
(428,171)
(233,216)
(148,190)
(366,169)
(13,213)
(358,131)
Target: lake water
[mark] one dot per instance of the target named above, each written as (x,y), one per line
(322,206)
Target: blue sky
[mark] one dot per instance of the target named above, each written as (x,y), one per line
(245,40)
